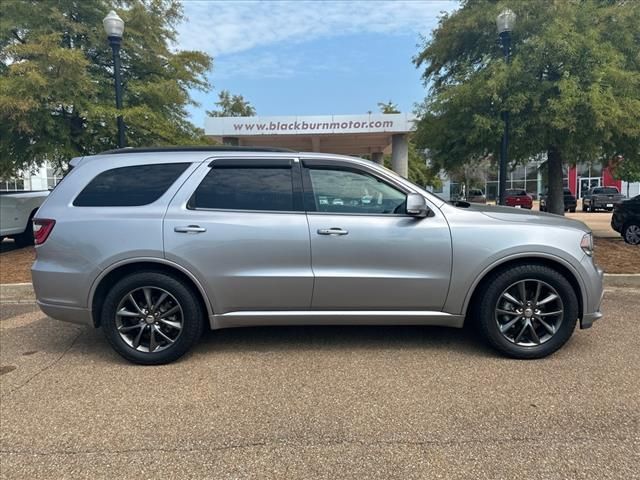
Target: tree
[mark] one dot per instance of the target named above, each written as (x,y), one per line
(419,171)
(626,171)
(388,107)
(572,88)
(56,80)
(232,106)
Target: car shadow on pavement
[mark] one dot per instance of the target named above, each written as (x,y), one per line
(312,338)
(54,338)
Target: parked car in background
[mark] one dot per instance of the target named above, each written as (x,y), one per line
(154,245)
(475,195)
(570,201)
(601,198)
(518,198)
(626,220)
(17,209)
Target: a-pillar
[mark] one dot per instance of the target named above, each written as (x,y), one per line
(378,158)
(233,141)
(400,154)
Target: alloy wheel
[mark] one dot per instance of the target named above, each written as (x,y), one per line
(632,234)
(529,313)
(149,319)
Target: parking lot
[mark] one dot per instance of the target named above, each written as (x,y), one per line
(321,402)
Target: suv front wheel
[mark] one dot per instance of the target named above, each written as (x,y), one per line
(631,233)
(151,318)
(528,311)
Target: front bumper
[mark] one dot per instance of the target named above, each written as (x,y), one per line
(592,310)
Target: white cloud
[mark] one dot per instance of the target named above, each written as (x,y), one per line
(226,27)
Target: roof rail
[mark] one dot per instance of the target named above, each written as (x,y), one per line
(204,148)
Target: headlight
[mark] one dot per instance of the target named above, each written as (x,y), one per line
(587,243)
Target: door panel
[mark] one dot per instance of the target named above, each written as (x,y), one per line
(367,253)
(246,259)
(382,263)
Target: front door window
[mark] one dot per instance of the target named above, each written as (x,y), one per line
(346,191)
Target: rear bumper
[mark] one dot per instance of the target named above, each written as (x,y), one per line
(80,316)
(605,203)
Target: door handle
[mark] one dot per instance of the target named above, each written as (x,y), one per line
(190,229)
(332,231)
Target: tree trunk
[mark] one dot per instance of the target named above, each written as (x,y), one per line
(555,200)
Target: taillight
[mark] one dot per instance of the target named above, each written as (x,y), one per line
(41,229)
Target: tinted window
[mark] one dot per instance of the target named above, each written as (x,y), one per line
(605,191)
(345,191)
(245,189)
(130,186)
(516,193)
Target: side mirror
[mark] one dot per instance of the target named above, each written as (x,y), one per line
(416,205)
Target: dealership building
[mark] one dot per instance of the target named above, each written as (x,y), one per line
(371,135)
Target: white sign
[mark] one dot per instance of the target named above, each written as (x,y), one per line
(309,125)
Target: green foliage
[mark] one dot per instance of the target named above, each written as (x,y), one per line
(232,106)
(388,107)
(572,88)
(57,95)
(627,171)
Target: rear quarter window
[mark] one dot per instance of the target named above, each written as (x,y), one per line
(130,186)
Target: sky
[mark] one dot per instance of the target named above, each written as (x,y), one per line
(311,57)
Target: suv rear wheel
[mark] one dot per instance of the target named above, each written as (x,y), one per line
(151,318)
(528,311)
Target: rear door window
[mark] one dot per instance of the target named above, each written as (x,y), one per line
(234,186)
(130,186)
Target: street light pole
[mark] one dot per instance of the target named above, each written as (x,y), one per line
(505,22)
(114,26)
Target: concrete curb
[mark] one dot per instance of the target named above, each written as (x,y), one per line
(622,280)
(17,293)
(23,292)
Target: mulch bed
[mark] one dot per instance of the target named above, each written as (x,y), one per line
(15,265)
(612,254)
(616,256)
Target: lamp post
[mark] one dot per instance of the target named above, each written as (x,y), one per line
(505,23)
(114,26)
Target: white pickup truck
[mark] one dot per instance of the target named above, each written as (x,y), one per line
(16,211)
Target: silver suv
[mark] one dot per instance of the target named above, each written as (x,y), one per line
(154,245)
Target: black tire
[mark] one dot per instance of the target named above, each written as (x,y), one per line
(498,283)
(572,210)
(26,238)
(192,317)
(626,234)
(584,208)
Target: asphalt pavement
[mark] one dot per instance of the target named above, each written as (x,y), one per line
(321,402)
